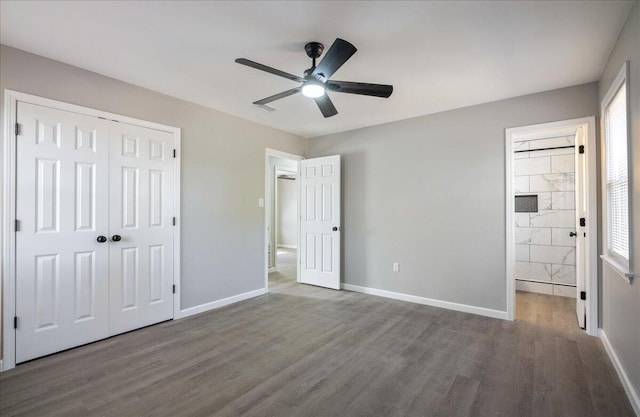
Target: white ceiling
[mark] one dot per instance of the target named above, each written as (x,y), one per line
(437,55)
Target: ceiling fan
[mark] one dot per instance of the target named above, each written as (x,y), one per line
(316,82)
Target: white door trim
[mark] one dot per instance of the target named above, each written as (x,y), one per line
(268,189)
(560,128)
(11,99)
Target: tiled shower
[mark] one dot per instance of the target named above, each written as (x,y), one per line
(545,218)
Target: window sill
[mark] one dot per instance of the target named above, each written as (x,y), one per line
(620,269)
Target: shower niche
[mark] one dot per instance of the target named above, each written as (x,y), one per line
(526,203)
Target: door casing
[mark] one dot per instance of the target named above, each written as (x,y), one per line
(559,128)
(8,311)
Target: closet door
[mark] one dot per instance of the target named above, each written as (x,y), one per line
(141,226)
(62,286)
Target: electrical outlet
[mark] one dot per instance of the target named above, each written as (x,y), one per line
(261,202)
(396,267)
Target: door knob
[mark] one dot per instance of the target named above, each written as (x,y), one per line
(335,228)
(101,239)
(116,238)
(573,234)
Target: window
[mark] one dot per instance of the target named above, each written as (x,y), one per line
(616,175)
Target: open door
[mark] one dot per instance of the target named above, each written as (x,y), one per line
(581,215)
(320,221)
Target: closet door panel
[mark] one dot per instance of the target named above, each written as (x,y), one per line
(141,219)
(62,286)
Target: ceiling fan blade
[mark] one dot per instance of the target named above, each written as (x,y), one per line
(326,106)
(337,55)
(376,90)
(270,70)
(278,96)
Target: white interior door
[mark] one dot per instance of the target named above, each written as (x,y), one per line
(62,284)
(320,227)
(581,239)
(141,226)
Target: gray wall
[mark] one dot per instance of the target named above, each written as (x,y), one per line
(287,212)
(620,303)
(222,226)
(429,193)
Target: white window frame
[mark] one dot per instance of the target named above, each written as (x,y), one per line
(623,267)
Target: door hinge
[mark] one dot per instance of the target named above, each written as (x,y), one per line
(17,225)
(174,221)
(583,295)
(174,288)
(15,322)
(583,222)
(581,149)
(17,128)
(174,153)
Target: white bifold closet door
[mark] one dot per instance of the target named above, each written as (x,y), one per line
(80,178)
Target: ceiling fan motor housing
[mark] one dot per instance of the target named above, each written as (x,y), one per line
(314,49)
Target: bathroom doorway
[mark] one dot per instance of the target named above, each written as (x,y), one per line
(551,224)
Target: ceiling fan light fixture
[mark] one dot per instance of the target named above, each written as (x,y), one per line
(317,79)
(313,89)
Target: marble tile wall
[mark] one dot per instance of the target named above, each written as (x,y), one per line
(545,253)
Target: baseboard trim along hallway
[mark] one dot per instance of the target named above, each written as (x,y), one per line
(221,303)
(487,312)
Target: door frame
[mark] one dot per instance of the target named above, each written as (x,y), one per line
(559,128)
(8,288)
(269,194)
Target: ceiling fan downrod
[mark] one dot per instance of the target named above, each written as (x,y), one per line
(313,50)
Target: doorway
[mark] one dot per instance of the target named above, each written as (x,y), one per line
(282,210)
(551,224)
(318,232)
(284,271)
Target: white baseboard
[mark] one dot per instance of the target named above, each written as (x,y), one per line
(221,303)
(626,382)
(496,314)
(288,246)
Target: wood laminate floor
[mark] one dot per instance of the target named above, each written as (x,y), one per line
(307,351)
